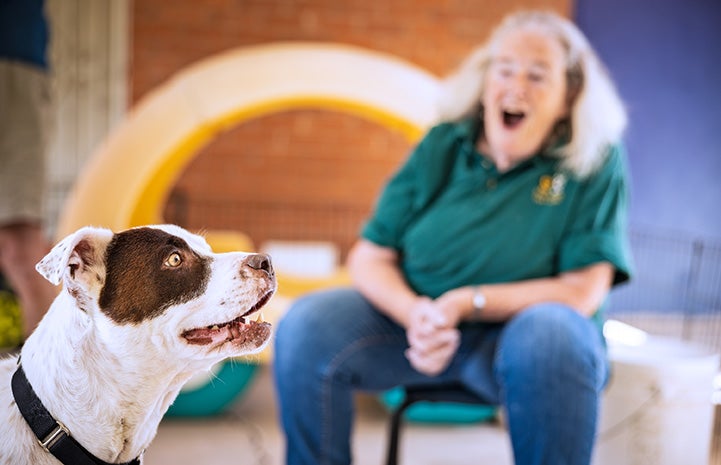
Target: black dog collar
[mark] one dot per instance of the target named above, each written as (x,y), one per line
(52,435)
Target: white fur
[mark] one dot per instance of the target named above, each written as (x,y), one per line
(110,383)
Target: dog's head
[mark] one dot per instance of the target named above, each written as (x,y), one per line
(161,286)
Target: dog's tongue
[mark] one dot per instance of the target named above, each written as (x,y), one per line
(236,329)
(203,336)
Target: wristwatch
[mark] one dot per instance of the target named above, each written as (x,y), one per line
(479,302)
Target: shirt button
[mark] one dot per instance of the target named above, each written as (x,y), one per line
(485,164)
(491,184)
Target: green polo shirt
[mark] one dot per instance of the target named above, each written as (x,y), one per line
(455,220)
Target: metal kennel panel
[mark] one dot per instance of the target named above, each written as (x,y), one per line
(676,289)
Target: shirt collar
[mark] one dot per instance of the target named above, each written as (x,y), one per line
(468,130)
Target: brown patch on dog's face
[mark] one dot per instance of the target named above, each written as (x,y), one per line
(148,270)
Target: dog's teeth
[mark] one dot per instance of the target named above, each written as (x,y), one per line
(214,327)
(259,318)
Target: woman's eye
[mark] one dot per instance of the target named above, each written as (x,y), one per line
(504,71)
(536,77)
(538,73)
(173,260)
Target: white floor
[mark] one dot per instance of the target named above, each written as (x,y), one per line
(249,434)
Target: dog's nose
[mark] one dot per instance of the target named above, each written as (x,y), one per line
(260,262)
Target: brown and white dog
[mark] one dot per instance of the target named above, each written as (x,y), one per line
(141,311)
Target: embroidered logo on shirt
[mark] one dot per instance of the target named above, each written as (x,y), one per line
(550,189)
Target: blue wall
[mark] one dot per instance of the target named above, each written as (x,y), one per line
(665,56)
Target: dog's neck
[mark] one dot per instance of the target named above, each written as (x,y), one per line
(111,404)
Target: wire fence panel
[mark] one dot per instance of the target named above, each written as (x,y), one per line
(676,290)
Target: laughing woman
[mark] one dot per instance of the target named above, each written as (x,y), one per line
(487,259)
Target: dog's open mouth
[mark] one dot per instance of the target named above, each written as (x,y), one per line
(240,330)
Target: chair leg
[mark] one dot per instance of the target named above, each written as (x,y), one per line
(395,431)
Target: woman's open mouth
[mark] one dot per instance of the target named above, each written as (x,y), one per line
(512,119)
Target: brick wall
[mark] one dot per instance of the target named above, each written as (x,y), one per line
(305,174)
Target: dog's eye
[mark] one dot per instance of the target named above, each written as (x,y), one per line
(173,260)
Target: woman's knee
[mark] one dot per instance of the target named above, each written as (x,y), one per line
(550,340)
(304,317)
(314,327)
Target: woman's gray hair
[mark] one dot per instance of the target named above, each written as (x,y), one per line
(598,117)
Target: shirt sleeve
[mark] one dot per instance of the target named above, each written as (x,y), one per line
(393,210)
(411,188)
(599,231)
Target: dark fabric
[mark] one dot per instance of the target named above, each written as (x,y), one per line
(66,448)
(24,31)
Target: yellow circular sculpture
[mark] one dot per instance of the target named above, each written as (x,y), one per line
(127,181)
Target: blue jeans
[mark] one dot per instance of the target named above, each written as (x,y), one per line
(546,367)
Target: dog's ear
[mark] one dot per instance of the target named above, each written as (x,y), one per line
(78,251)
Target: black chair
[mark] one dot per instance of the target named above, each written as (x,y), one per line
(452,393)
